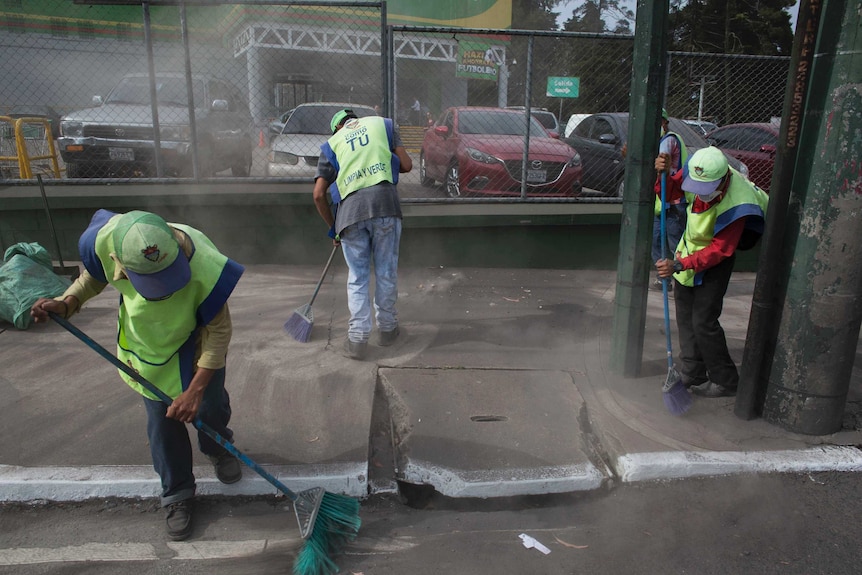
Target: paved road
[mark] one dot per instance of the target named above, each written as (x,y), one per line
(783,524)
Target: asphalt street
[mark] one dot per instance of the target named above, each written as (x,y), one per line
(783,524)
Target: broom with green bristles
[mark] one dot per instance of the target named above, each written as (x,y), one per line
(326,520)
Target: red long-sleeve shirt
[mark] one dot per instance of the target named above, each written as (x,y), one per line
(723,244)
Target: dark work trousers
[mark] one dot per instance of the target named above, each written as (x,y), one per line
(702,345)
(170,446)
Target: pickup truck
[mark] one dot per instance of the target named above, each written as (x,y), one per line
(116,138)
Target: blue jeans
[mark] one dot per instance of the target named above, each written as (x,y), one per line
(376,241)
(170,446)
(675,224)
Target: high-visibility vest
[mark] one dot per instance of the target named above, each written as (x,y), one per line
(158,338)
(361,152)
(683,158)
(742,200)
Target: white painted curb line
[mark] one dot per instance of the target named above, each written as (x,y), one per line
(504,482)
(140,481)
(680,465)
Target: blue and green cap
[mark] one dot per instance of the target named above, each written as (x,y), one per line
(145,244)
(706,168)
(339,117)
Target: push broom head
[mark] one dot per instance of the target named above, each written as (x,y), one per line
(327,522)
(676,397)
(300,323)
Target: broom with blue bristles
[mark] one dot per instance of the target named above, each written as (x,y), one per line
(326,520)
(676,397)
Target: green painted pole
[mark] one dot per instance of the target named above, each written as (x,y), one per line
(772,270)
(822,314)
(634,262)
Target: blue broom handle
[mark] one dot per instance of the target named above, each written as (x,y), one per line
(167,400)
(664,281)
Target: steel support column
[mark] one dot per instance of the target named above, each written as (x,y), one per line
(634,265)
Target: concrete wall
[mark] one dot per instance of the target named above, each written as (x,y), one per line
(266,223)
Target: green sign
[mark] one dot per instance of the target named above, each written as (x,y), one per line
(560,87)
(476,60)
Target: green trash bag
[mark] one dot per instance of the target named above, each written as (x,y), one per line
(26,274)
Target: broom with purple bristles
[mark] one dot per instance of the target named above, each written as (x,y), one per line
(300,323)
(676,397)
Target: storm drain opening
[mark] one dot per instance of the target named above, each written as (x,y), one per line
(488,418)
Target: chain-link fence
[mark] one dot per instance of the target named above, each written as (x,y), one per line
(262,81)
(735,101)
(178,91)
(464,100)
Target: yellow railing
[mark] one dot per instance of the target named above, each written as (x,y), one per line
(13,130)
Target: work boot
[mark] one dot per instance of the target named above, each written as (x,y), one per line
(227,467)
(712,390)
(179,519)
(355,349)
(387,338)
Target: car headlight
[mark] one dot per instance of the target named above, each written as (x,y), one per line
(575,161)
(480,156)
(178,133)
(73,129)
(283,158)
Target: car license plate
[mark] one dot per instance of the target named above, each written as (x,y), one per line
(537,175)
(121,154)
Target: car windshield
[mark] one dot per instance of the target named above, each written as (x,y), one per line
(546,119)
(497,124)
(169,91)
(315,119)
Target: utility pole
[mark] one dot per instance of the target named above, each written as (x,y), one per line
(822,313)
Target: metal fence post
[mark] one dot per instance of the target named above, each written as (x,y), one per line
(154,103)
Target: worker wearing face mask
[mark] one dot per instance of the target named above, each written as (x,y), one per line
(725,212)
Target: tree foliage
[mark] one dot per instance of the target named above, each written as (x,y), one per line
(732,26)
(593,15)
(534,14)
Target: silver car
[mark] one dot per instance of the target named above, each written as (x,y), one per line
(294,153)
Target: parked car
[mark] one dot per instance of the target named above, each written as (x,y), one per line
(294,153)
(545,118)
(600,138)
(478,151)
(116,137)
(573,122)
(702,126)
(754,144)
(277,125)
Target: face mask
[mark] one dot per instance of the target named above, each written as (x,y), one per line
(711,196)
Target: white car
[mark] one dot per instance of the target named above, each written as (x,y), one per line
(294,153)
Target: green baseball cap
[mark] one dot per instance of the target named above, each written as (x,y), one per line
(150,254)
(339,117)
(664,115)
(704,171)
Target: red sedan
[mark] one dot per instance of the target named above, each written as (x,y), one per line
(753,144)
(480,151)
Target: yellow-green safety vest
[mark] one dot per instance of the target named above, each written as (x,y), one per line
(683,158)
(363,155)
(158,338)
(742,200)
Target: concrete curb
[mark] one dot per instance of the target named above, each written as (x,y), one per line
(139,481)
(680,465)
